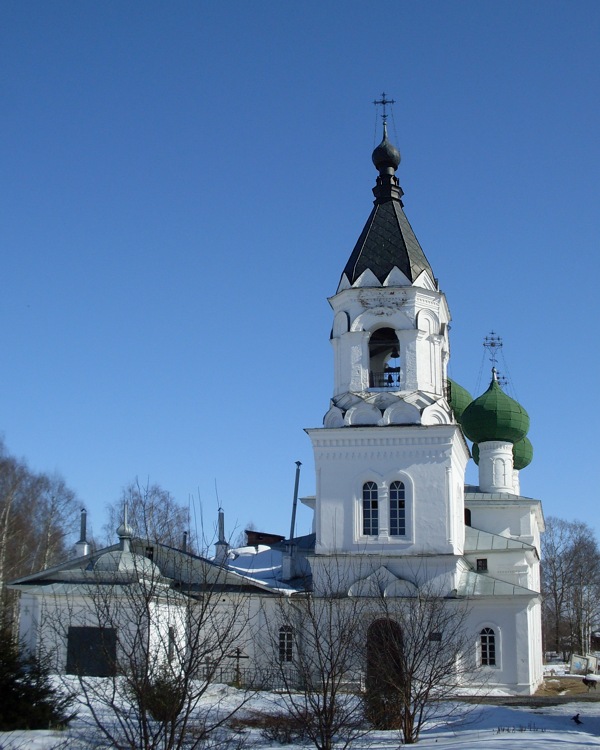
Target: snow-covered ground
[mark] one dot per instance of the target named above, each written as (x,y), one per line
(484,728)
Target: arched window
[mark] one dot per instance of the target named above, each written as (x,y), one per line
(487,639)
(397,509)
(286,644)
(384,359)
(467,516)
(370,509)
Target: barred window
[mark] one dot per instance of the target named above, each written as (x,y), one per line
(370,509)
(397,509)
(286,644)
(488,647)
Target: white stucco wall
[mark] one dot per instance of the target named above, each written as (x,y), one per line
(428,460)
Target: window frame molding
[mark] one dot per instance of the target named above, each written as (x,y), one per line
(406,508)
(363,500)
(383,483)
(359,482)
(497,630)
(285,644)
(409,507)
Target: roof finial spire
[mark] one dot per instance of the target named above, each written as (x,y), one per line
(386,156)
(383,102)
(125,532)
(493,343)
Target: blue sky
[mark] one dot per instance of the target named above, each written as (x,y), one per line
(183,182)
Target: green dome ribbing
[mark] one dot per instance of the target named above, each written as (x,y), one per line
(459,398)
(495,416)
(522,453)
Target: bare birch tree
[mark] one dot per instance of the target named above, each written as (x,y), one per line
(13,475)
(570,584)
(153,512)
(38,522)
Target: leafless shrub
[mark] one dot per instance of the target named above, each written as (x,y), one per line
(283,728)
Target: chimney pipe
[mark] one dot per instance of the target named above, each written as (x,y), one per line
(82,548)
(295,502)
(222,548)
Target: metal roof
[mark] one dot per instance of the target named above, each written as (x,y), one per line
(477,584)
(485,541)
(387,241)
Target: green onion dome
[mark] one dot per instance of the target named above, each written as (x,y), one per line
(459,398)
(495,416)
(522,453)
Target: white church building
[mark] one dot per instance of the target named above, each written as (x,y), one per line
(390,496)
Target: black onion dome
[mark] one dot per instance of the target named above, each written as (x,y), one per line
(386,155)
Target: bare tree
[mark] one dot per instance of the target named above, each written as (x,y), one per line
(159,633)
(404,642)
(570,584)
(317,639)
(38,520)
(55,512)
(13,477)
(153,512)
(241,540)
(415,659)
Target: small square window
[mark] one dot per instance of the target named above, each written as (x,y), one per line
(482,564)
(435,636)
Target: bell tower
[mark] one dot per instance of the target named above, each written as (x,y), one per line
(390,328)
(390,458)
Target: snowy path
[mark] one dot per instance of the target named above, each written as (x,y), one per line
(487,728)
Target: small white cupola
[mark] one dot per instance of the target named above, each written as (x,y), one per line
(123,564)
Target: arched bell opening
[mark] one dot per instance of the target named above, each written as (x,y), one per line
(384,359)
